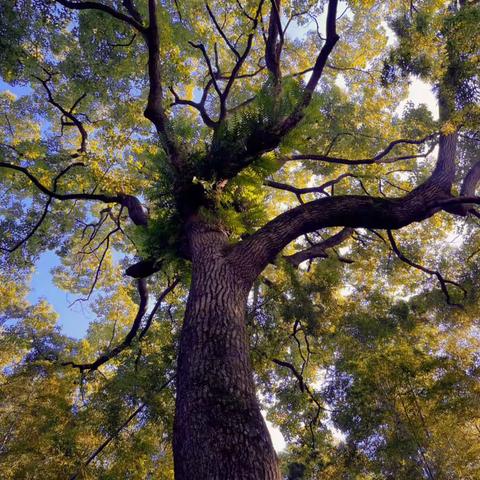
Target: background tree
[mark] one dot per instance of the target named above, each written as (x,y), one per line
(177,137)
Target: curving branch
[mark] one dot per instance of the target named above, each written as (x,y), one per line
(200,106)
(468,188)
(154,110)
(116,433)
(105,241)
(215,75)
(304,388)
(331,40)
(220,31)
(132,10)
(137,212)
(45,210)
(132,334)
(143,292)
(88,5)
(73,120)
(275,40)
(356,211)
(159,301)
(318,250)
(32,231)
(303,191)
(378,158)
(443,282)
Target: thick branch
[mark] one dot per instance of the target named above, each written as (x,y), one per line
(354,211)
(132,10)
(103,8)
(330,42)
(275,39)
(136,210)
(469,186)
(318,250)
(154,110)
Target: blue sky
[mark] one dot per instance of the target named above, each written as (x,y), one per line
(74,320)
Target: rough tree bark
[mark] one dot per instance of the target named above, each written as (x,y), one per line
(219,432)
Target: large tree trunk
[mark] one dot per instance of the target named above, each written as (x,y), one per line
(219,432)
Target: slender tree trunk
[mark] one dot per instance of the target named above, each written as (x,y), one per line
(219,432)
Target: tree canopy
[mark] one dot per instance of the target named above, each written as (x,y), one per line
(348,212)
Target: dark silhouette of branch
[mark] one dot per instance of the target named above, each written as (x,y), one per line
(302,191)
(132,10)
(103,8)
(159,301)
(220,31)
(318,250)
(154,110)
(117,432)
(304,388)
(45,210)
(132,39)
(443,282)
(200,106)
(234,74)
(468,188)
(106,240)
(74,121)
(332,38)
(275,40)
(136,211)
(378,158)
(143,292)
(356,211)
(61,196)
(132,334)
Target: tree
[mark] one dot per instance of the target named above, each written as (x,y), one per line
(229,101)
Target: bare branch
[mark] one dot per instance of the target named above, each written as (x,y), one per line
(356,211)
(159,301)
(74,121)
(136,211)
(469,185)
(117,432)
(143,292)
(127,341)
(213,75)
(200,106)
(304,388)
(378,158)
(332,38)
(443,282)
(154,110)
(32,231)
(45,210)
(318,250)
(220,31)
(106,240)
(132,10)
